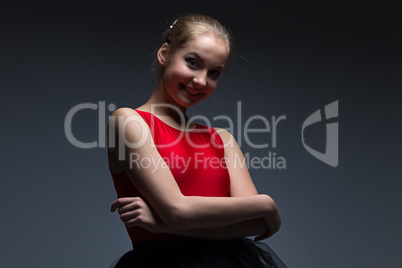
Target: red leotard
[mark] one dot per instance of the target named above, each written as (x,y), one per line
(195,158)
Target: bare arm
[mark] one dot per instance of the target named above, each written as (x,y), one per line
(241,184)
(162,192)
(134,211)
(252,227)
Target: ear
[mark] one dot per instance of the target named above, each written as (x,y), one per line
(163,53)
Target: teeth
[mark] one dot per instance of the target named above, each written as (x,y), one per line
(193,92)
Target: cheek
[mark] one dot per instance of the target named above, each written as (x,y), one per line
(179,71)
(185,72)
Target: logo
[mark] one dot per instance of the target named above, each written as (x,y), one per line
(330,156)
(245,130)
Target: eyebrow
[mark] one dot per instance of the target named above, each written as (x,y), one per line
(201,59)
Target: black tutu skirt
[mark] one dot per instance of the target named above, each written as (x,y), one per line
(200,253)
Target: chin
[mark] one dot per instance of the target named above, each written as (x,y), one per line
(188,104)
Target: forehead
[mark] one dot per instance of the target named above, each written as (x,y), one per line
(209,47)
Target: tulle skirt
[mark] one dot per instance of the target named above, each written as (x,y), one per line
(200,253)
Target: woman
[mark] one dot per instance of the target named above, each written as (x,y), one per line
(184,198)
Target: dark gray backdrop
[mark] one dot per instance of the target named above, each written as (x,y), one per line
(292,58)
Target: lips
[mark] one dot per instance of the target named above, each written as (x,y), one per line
(191,91)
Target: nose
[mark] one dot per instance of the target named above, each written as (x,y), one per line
(200,80)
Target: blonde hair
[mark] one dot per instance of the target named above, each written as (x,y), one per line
(187,27)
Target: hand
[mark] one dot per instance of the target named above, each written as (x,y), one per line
(273,224)
(134,211)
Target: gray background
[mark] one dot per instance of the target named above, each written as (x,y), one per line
(292,58)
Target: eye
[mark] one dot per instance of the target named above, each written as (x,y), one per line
(215,73)
(192,63)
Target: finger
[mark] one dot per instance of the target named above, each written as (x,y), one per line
(129,216)
(134,222)
(128,207)
(121,202)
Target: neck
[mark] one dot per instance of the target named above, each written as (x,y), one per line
(160,105)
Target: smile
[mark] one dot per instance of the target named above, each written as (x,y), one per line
(191,91)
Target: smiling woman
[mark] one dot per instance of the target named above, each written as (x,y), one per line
(191,73)
(181,196)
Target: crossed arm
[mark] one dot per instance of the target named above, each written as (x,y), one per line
(165,209)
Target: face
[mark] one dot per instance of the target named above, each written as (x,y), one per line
(191,73)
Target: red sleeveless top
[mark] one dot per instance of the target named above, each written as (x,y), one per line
(195,158)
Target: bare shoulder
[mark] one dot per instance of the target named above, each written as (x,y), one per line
(124,111)
(227,137)
(124,118)
(127,116)
(126,126)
